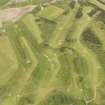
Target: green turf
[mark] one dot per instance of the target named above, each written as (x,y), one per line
(53,54)
(51,12)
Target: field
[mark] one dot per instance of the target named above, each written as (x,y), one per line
(52,52)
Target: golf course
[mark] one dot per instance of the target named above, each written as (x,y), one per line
(52,52)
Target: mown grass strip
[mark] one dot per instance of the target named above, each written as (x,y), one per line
(42,70)
(8,61)
(98,29)
(62,29)
(50,13)
(98,4)
(20,79)
(90,80)
(3,2)
(94,66)
(29,21)
(54,63)
(79,26)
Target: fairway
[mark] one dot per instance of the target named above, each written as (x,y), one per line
(52,52)
(8,60)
